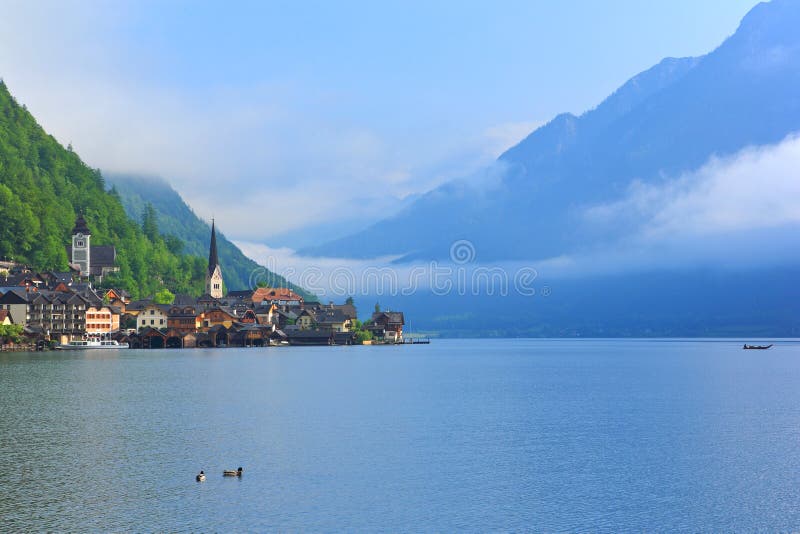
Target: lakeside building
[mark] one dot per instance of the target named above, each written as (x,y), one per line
(102,320)
(387,325)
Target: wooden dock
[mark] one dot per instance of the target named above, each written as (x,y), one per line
(417,341)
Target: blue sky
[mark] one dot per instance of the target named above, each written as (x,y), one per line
(323,112)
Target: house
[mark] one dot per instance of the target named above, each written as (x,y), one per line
(184,319)
(248,317)
(283,317)
(265,314)
(15,302)
(118,298)
(102,320)
(334,319)
(218,316)
(206,302)
(305,320)
(63,315)
(55,314)
(153,315)
(387,325)
(349,310)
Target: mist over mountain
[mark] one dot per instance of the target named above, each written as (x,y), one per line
(669,122)
(176,218)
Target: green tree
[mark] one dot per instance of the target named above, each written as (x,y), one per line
(150,222)
(362,336)
(19,226)
(164,296)
(11,333)
(174,244)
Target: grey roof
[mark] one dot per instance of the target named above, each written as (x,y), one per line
(391,316)
(15,295)
(245,294)
(349,310)
(184,300)
(100,256)
(138,304)
(329,316)
(17,279)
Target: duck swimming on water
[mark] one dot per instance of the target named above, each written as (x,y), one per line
(201,477)
(232,473)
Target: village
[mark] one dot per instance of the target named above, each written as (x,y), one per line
(51,309)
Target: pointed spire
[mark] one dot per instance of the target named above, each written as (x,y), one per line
(213,259)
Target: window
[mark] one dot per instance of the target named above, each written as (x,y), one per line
(152,321)
(79,243)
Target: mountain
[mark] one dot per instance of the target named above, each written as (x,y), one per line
(43,186)
(664,122)
(176,218)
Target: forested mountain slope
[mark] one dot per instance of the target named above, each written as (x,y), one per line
(44,185)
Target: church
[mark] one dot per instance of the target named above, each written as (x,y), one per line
(214,272)
(89,260)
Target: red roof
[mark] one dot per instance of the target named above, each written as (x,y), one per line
(275,293)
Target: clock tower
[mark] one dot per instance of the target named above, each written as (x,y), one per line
(81,248)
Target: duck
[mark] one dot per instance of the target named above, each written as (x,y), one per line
(201,477)
(232,473)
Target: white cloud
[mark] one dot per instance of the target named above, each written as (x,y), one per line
(756,189)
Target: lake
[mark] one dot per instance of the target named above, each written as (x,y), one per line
(475,435)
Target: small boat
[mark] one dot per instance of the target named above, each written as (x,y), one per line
(756,347)
(84,344)
(232,473)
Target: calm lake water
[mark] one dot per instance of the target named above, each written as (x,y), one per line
(589,435)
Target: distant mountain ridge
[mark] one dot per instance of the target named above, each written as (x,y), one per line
(665,121)
(176,218)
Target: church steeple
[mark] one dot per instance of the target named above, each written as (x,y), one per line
(213,259)
(214,273)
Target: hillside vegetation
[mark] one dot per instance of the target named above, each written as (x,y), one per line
(44,185)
